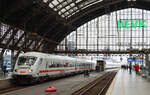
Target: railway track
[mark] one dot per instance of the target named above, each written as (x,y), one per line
(2,91)
(97,87)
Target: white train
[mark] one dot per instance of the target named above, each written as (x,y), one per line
(34,66)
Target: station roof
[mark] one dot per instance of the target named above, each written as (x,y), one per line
(55,19)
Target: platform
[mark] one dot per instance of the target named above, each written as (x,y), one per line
(65,86)
(7,76)
(129,84)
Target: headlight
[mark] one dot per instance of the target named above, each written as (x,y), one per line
(16,70)
(30,71)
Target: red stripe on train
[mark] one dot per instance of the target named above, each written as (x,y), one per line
(56,70)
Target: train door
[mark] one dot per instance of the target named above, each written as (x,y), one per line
(100,65)
(42,67)
(46,67)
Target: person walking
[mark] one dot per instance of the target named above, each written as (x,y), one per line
(4,70)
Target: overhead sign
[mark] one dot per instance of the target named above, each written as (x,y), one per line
(131,23)
(139,60)
(131,60)
(134,60)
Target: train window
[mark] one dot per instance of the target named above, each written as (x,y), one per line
(55,64)
(71,65)
(66,64)
(58,64)
(26,60)
(52,65)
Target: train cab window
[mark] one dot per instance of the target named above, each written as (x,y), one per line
(26,60)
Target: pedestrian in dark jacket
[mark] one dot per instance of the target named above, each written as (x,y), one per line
(4,70)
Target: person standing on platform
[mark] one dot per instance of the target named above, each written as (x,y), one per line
(130,68)
(137,68)
(86,73)
(1,64)
(4,70)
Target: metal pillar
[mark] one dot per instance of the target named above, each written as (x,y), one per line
(1,30)
(12,51)
(147,64)
(76,42)
(12,59)
(1,60)
(109,33)
(87,28)
(142,37)
(130,65)
(66,45)
(1,57)
(97,35)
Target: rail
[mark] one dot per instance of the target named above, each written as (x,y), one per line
(97,87)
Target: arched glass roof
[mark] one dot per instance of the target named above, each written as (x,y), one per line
(67,8)
(102,34)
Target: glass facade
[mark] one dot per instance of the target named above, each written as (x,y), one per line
(102,34)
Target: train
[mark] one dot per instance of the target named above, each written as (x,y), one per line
(34,67)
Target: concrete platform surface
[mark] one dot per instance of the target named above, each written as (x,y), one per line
(64,86)
(129,84)
(7,76)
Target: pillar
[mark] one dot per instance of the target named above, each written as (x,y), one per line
(1,60)
(12,60)
(147,63)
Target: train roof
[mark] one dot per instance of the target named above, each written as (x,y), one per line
(66,58)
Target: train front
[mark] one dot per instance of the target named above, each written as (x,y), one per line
(24,69)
